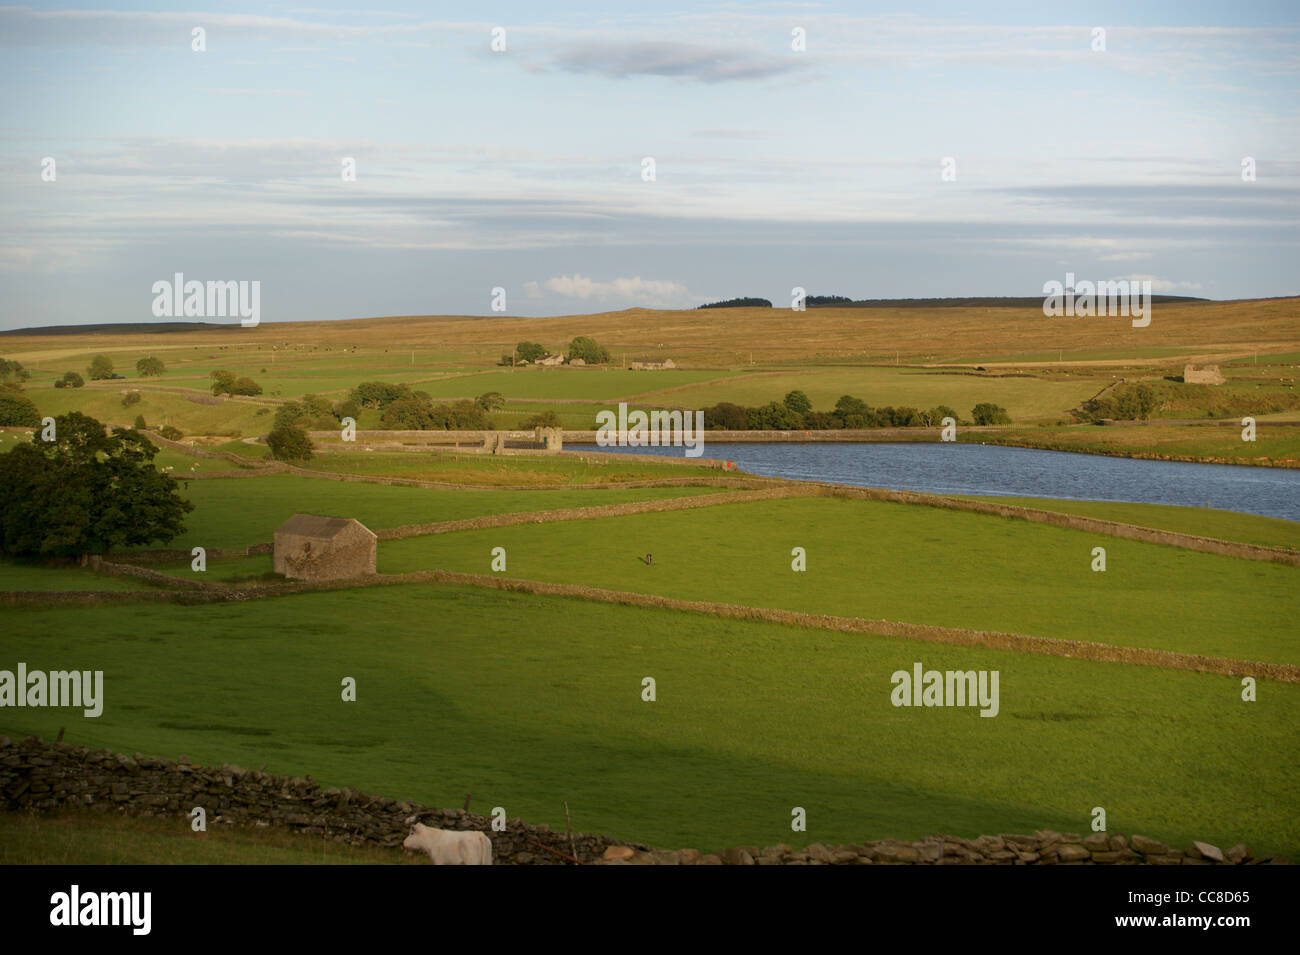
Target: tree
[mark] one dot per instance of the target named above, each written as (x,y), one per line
(530,351)
(378,394)
(130,398)
(149,367)
(17,410)
(847,406)
(798,402)
(774,416)
(101,368)
(139,423)
(13,370)
(222,381)
(289,443)
(86,492)
(490,401)
(987,413)
(245,386)
(171,432)
(70,379)
(726,416)
(543,419)
(588,350)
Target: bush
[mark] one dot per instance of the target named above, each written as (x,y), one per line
(149,367)
(130,398)
(289,443)
(171,432)
(70,379)
(988,413)
(139,423)
(245,386)
(101,368)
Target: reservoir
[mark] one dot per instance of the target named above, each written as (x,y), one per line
(989,470)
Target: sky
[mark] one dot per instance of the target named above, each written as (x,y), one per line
(913,150)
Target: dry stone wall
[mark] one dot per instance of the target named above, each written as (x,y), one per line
(45,777)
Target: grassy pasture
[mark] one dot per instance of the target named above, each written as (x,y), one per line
(1022,397)
(902,562)
(490,469)
(1192,441)
(1199,521)
(158,407)
(528,701)
(234,512)
(23,575)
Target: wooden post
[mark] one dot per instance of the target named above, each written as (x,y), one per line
(467,795)
(568,827)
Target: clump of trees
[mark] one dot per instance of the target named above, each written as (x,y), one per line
(86,492)
(70,379)
(171,432)
(419,413)
(150,367)
(1124,403)
(13,371)
(588,350)
(225,383)
(543,419)
(740,303)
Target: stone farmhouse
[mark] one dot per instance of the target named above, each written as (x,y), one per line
(312,547)
(1209,375)
(548,361)
(652,364)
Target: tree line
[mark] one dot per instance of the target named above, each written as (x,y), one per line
(795,413)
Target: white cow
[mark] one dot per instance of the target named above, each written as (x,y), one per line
(450,848)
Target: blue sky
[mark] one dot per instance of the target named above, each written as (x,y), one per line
(522,169)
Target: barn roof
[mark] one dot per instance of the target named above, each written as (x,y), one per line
(317,525)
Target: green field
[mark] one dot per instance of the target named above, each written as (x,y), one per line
(235,512)
(1023,397)
(903,562)
(490,469)
(1197,521)
(528,701)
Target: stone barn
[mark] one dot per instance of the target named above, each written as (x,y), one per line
(312,547)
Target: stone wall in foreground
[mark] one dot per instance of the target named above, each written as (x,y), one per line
(44,777)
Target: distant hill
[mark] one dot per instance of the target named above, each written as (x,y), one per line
(124,328)
(985,302)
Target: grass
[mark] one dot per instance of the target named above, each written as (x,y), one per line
(25,575)
(74,838)
(235,512)
(529,701)
(489,469)
(903,562)
(1207,442)
(1022,397)
(1199,521)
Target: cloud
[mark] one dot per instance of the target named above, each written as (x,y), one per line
(661,292)
(1163,285)
(707,64)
